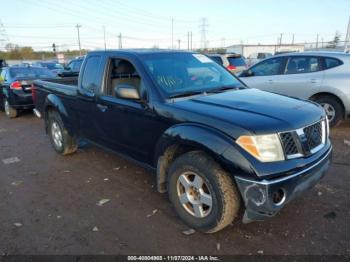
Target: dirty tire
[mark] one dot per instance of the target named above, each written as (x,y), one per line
(68,143)
(10,112)
(225,196)
(334,103)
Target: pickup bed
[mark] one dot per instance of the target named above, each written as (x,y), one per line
(215,144)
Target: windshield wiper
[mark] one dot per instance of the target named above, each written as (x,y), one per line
(225,88)
(193,93)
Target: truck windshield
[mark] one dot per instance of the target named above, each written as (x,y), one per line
(187,73)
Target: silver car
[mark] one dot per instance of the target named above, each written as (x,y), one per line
(323,77)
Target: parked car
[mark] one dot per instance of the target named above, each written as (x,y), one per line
(322,77)
(211,140)
(2,63)
(235,63)
(53,66)
(16,87)
(72,68)
(257,57)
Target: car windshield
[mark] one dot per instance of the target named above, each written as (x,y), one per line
(53,66)
(179,74)
(30,72)
(236,61)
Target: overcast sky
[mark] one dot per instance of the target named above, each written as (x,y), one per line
(40,23)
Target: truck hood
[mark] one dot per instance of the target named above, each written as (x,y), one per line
(254,110)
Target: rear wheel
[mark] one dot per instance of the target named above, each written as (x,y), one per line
(333,108)
(10,112)
(203,195)
(62,142)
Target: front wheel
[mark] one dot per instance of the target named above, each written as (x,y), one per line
(203,195)
(10,112)
(62,142)
(333,109)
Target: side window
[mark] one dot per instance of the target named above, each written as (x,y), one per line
(91,78)
(302,64)
(268,67)
(71,65)
(77,65)
(122,72)
(331,62)
(3,76)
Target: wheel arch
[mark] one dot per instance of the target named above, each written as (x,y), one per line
(53,102)
(314,97)
(184,138)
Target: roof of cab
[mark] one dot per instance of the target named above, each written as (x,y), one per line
(140,51)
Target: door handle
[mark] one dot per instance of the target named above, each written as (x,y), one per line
(270,81)
(313,80)
(103,108)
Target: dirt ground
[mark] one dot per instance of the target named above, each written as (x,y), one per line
(48,205)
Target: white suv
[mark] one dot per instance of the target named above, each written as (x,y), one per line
(323,77)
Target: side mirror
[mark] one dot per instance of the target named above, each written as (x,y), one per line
(127,92)
(67,68)
(247,73)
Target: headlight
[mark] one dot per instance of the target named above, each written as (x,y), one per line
(266,148)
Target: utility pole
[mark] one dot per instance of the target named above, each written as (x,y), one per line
(223,42)
(179,43)
(104,36)
(120,46)
(317,42)
(322,42)
(203,29)
(281,39)
(78,26)
(293,40)
(191,40)
(347,37)
(188,40)
(172,33)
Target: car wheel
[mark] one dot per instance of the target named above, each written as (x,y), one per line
(203,195)
(333,108)
(10,112)
(62,142)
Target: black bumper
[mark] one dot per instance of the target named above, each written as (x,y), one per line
(264,198)
(21,100)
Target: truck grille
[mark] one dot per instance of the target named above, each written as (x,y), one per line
(313,136)
(289,145)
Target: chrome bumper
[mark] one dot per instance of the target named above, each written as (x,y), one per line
(264,198)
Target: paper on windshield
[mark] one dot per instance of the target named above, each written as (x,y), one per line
(202,58)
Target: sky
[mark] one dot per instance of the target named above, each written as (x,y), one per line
(142,24)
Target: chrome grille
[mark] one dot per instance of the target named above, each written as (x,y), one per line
(289,145)
(313,134)
(304,141)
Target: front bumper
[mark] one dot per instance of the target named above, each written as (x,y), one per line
(264,198)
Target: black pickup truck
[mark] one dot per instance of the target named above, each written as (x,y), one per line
(215,144)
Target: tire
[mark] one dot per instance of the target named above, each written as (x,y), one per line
(62,142)
(333,108)
(10,112)
(225,200)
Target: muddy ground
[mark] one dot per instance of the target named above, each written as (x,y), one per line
(48,205)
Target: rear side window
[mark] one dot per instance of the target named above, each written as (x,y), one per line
(302,64)
(332,62)
(217,59)
(91,78)
(236,61)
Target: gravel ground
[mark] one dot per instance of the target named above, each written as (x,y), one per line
(49,205)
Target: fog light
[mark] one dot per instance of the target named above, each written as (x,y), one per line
(279,197)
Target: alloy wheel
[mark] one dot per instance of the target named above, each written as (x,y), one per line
(194,194)
(56,133)
(330,111)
